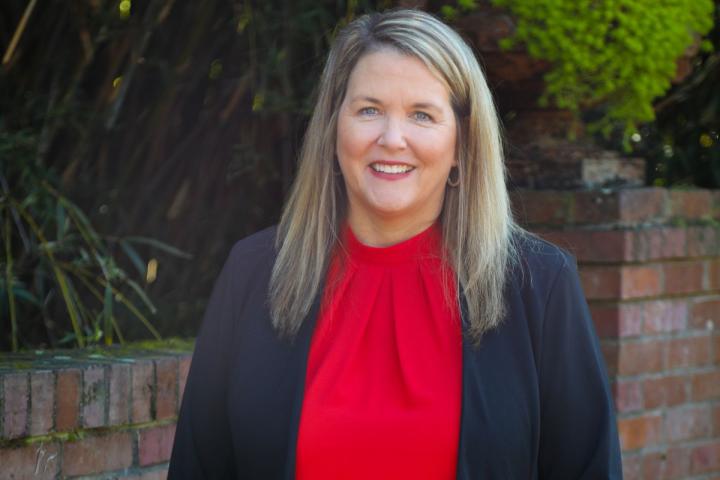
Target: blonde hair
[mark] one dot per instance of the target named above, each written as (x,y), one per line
(479,232)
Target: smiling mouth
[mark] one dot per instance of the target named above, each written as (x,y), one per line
(392,169)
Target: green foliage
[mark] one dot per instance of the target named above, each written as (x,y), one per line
(451,12)
(52,255)
(619,55)
(682,145)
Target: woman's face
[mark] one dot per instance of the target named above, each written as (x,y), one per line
(395,140)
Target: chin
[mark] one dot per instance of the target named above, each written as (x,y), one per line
(390,205)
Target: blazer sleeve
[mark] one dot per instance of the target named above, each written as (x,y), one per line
(578,431)
(202,447)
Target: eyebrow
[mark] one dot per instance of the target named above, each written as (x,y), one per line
(420,105)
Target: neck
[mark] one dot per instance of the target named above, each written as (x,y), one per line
(383,232)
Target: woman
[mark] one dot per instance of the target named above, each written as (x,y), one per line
(397,323)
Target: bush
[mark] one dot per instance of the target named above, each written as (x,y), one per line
(53,259)
(619,55)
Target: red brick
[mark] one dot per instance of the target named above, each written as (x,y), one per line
(606,320)
(639,432)
(184,369)
(143,381)
(684,277)
(610,352)
(641,357)
(716,419)
(97,454)
(627,396)
(155,444)
(705,458)
(668,243)
(703,241)
(689,352)
(37,461)
(713,267)
(705,314)
(660,243)
(632,466)
(665,391)
(42,402)
(671,464)
(617,320)
(93,398)
(595,207)
(166,401)
(677,463)
(716,348)
(641,204)
(653,465)
(640,281)
(592,246)
(119,409)
(15,405)
(691,204)
(600,282)
(68,400)
(662,316)
(688,423)
(706,386)
(540,208)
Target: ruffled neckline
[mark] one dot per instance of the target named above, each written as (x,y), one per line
(426,244)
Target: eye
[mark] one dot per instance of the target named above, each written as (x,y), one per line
(368,111)
(422,117)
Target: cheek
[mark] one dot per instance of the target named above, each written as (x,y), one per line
(439,150)
(353,140)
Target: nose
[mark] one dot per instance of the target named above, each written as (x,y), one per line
(392,136)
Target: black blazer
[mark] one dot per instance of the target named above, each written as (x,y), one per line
(535,401)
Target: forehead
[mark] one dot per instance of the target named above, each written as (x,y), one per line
(390,72)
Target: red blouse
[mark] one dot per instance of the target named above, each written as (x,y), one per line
(384,375)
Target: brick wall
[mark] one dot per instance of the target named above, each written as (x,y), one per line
(82,414)
(650,265)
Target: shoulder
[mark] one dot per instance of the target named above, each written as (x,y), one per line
(256,247)
(539,263)
(247,268)
(250,257)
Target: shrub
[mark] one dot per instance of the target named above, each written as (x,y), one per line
(618,55)
(53,259)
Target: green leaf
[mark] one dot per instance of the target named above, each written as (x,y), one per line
(60,222)
(134,256)
(108,314)
(160,246)
(137,289)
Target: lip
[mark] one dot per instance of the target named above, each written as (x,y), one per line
(390,176)
(391,162)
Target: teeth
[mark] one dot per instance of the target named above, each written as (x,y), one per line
(379,167)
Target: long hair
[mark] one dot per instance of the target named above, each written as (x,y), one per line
(476,218)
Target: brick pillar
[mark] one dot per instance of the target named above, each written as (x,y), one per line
(649,262)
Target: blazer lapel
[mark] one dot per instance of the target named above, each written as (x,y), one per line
(303,348)
(467,349)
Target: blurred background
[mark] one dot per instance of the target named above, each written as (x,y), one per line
(140,139)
